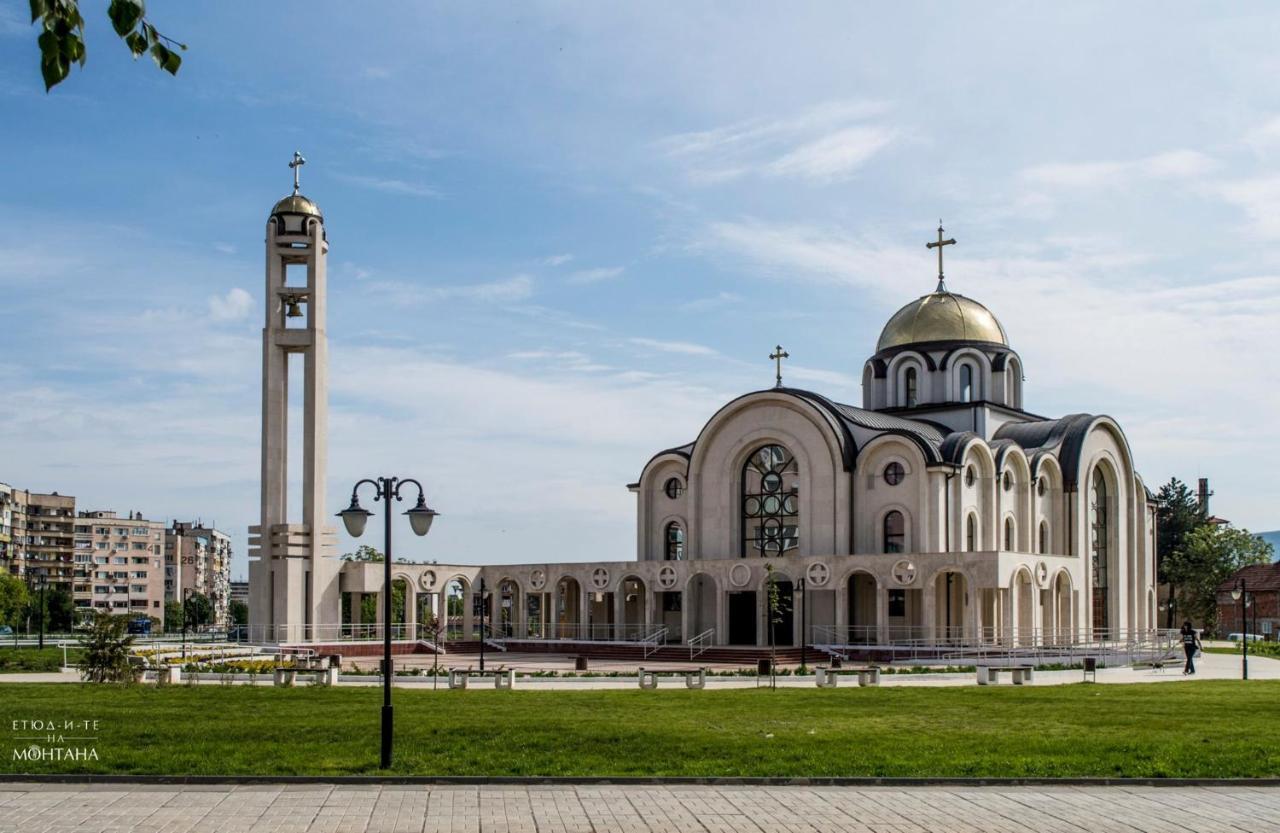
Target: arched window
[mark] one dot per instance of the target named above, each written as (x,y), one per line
(895,532)
(770,502)
(675,542)
(1099,525)
(971,533)
(966,383)
(1008,534)
(1044,537)
(911,388)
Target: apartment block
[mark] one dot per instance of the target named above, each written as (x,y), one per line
(198,558)
(119,564)
(9,548)
(48,536)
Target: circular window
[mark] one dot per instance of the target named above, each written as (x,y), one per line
(970,476)
(893,473)
(752,506)
(673,487)
(772,481)
(1008,481)
(1040,487)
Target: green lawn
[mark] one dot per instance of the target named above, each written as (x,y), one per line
(31,659)
(1208,729)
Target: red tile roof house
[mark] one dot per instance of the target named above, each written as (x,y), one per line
(1263,583)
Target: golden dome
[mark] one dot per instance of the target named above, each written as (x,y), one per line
(941,316)
(297,204)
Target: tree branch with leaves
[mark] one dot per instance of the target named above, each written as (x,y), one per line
(61,37)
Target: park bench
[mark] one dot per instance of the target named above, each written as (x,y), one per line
(693,677)
(284,676)
(827,676)
(1018,674)
(503,678)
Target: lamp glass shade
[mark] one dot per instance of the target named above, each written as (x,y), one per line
(421,516)
(354,518)
(1235,594)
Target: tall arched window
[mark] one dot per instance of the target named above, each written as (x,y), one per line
(1099,524)
(911,387)
(675,542)
(1008,534)
(971,533)
(770,502)
(966,383)
(895,532)
(1044,537)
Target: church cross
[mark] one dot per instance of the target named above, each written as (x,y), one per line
(942,286)
(296,164)
(778,355)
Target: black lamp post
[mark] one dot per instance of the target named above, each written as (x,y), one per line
(43,581)
(804,623)
(354,518)
(186,594)
(484,603)
(1238,593)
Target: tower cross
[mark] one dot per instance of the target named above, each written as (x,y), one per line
(296,164)
(778,355)
(942,286)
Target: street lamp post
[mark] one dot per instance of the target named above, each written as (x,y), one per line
(484,604)
(354,518)
(804,623)
(1238,593)
(186,594)
(44,610)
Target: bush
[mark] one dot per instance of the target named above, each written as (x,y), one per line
(106,651)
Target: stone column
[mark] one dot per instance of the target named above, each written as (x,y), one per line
(1007,615)
(468,613)
(357,602)
(841,622)
(929,619)
(620,614)
(882,614)
(410,611)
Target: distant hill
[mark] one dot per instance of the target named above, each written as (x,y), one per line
(1272,538)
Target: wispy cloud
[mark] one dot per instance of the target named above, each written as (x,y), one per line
(13,25)
(508,290)
(1175,164)
(389,186)
(603,273)
(717,301)
(233,306)
(684,348)
(557,260)
(825,143)
(1258,198)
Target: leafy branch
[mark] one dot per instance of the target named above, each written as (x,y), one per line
(61,38)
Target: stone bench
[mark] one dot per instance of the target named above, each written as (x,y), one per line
(503,678)
(693,677)
(285,676)
(1018,674)
(827,677)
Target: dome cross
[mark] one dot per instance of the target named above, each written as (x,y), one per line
(942,286)
(296,165)
(778,355)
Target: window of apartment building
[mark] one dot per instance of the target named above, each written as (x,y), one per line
(138,588)
(102,530)
(138,545)
(82,530)
(101,545)
(100,589)
(83,559)
(122,531)
(139,574)
(119,559)
(139,530)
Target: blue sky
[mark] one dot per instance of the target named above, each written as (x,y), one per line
(563,234)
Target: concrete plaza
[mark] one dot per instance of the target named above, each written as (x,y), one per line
(51,808)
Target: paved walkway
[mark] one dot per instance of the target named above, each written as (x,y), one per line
(674,809)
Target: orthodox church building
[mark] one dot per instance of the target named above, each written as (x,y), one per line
(940,509)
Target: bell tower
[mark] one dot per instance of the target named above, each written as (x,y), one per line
(293,576)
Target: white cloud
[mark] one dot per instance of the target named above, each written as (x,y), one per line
(604,273)
(1258,198)
(225,248)
(1175,164)
(509,290)
(389,186)
(557,260)
(1265,136)
(685,348)
(375,73)
(233,306)
(717,301)
(825,143)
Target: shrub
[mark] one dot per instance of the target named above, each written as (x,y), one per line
(106,651)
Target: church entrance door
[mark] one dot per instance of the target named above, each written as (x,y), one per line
(784,621)
(742,618)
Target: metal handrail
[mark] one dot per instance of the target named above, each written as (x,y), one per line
(699,643)
(654,641)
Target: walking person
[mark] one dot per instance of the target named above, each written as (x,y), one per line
(1190,644)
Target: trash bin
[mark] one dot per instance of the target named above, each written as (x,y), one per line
(836,662)
(762,667)
(1091,667)
(580,664)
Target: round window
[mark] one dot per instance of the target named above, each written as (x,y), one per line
(1008,481)
(1040,487)
(893,473)
(673,487)
(771,482)
(970,476)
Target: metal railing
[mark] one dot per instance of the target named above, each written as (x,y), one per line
(654,641)
(701,642)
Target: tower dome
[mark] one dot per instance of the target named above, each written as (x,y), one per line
(941,316)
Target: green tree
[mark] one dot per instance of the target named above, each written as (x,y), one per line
(365,553)
(61,36)
(172,617)
(199,610)
(239,613)
(776,609)
(1209,555)
(62,609)
(14,601)
(106,651)
(1178,514)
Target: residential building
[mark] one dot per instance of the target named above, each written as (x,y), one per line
(119,565)
(240,591)
(1259,611)
(48,537)
(8,547)
(198,558)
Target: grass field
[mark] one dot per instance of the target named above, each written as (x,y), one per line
(32,659)
(1208,729)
